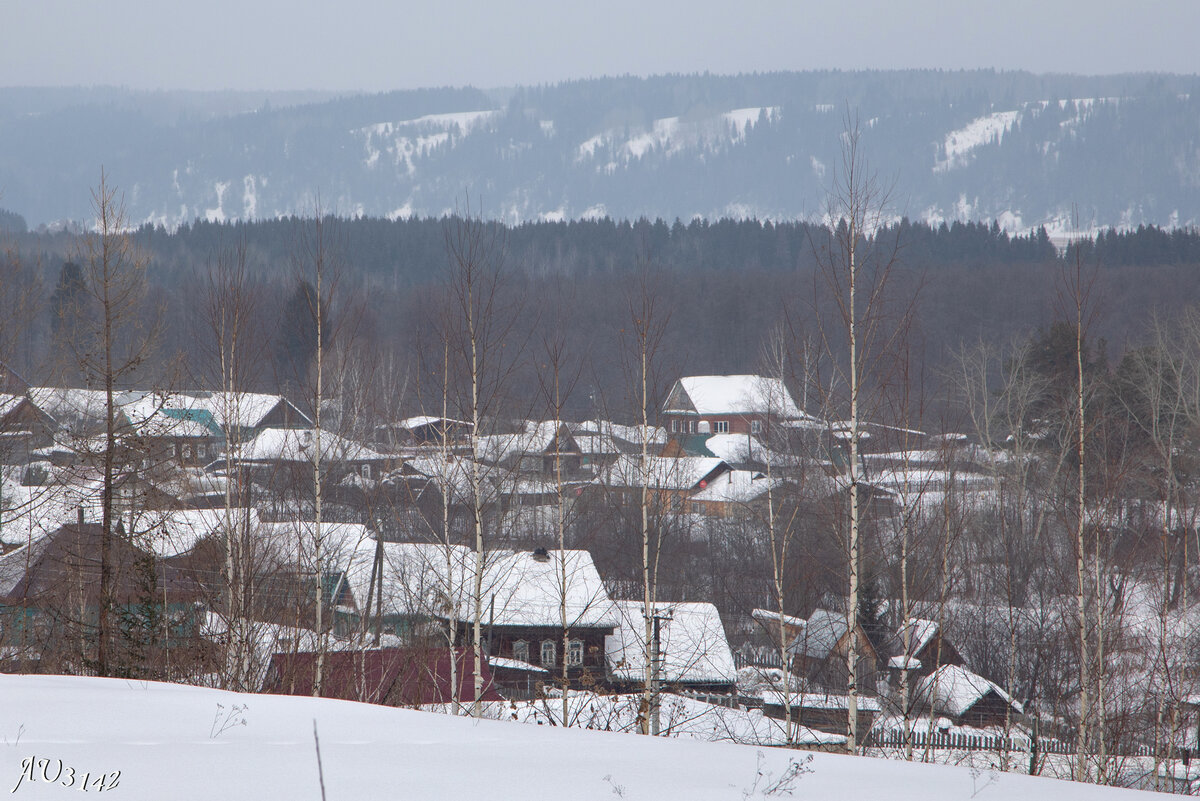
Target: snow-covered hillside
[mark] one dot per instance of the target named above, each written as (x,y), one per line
(157,741)
(1024,150)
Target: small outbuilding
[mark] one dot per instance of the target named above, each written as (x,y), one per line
(966,698)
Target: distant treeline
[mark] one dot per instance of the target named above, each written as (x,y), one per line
(724,285)
(410,252)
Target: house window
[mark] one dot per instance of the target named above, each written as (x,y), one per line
(521,650)
(756,426)
(549,653)
(174,451)
(695,426)
(697,508)
(674,426)
(366,471)
(200,450)
(187,451)
(575,652)
(721,426)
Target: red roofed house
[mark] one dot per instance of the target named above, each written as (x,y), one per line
(727,404)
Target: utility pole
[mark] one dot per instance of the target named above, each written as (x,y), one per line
(656,666)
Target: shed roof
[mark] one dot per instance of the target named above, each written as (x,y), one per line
(693,645)
(820,636)
(952,689)
(661,472)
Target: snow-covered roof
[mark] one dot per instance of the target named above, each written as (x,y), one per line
(919,632)
(766,617)
(69,404)
(292,544)
(731,394)
(529,590)
(460,477)
(9,402)
(515,664)
(953,690)
(519,589)
(426,419)
(904,663)
(741,448)
(238,409)
(155,414)
(737,486)
(633,435)
(298,445)
(820,636)
(538,438)
(181,529)
(693,645)
(661,472)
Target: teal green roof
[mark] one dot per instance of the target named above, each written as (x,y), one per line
(202,416)
(696,445)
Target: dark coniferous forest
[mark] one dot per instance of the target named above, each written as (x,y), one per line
(726,286)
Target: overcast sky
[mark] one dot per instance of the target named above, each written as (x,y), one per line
(377,45)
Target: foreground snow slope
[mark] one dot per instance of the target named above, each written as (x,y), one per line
(172,742)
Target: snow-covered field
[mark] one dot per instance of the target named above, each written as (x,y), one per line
(160,741)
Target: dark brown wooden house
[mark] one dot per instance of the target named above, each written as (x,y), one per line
(819,652)
(50,602)
(403,677)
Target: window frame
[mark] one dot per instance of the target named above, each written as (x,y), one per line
(574,653)
(520,650)
(549,648)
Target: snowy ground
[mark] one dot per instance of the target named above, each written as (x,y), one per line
(159,741)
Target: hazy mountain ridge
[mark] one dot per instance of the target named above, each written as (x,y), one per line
(1024,149)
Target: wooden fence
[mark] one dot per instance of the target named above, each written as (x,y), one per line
(969,742)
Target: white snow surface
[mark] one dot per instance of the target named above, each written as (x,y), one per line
(671,135)
(979,131)
(408,140)
(168,741)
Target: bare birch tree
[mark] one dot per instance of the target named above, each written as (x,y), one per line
(234,344)
(853,264)
(484,351)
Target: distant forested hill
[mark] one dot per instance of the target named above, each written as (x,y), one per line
(1026,150)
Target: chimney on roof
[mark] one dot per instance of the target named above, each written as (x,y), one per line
(540,555)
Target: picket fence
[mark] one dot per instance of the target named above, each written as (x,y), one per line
(970,742)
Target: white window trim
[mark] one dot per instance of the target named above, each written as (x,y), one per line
(574,653)
(549,648)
